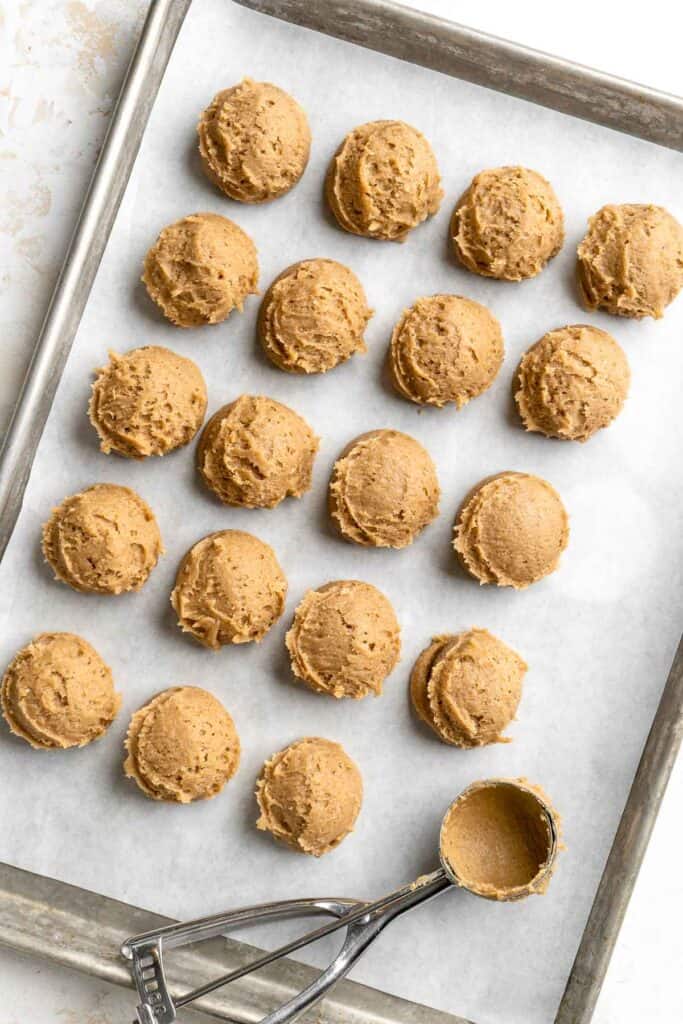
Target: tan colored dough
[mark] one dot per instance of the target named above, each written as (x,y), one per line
(182,746)
(345,639)
(58,692)
(384,490)
(467,687)
(309,795)
(147,402)
(201,268)
(383,180)
(511,530)
(508,224)
(445,348)
(572,383)
(229,589)
(630,262)
(313,317)
(103,540)
(255,452)
(254,141)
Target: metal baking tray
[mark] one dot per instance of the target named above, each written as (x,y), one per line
(80,929)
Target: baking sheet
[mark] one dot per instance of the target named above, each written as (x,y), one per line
(598,635)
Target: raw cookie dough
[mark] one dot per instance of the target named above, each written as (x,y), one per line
(200,269)
(467,687)
(445,349)
(497,841)
(103,540)
(313,317)
(508,224)
(345,639)
(309,795)
(147,402)
(255,452)
(631,261)
(511,530)
(182,746)
(384,490)
(383,180)
(57,692)
(229,589)
(254,141)
(572,383)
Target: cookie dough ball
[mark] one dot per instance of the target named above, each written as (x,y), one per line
(313,317)
(467,687)
(147,402)
(57,692)
(445,349)
(255,452)
(631,261)
(254,141)
(103,540)
(508,224)
(182,746)
(200,269)
(309,795)
(572,383)
(383,180)
(345,639)
(511,530)
(384,490)
(229,589)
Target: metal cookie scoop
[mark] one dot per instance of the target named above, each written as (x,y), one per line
(499,840)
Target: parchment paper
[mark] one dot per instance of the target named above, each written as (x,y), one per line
(598,635)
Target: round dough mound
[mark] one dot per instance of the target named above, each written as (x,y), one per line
(467,687)
(508,224)
(200,269)
(147,402)
(309,795)
(384,490)
(345,639)
(511,530)
(445,349)
(182,746)
(313,317)
(631,261)
(572,383)
(383,180)
(57,692)
(103,540)
(254,141)
(255,452)
(229,589)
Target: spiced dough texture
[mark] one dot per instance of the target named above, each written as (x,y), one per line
(255,452)
(229,589)
(201,268)
(309,795)
(103,540)
(383,181)
(58,693)
(147,402)
(344,640)
(445,348)
(508,224)
(384,490)
(313,317)
(511,530)
(467,687)
(182,746)
(630,262)
(254,141)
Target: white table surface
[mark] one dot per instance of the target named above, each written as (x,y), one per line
(60,66)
